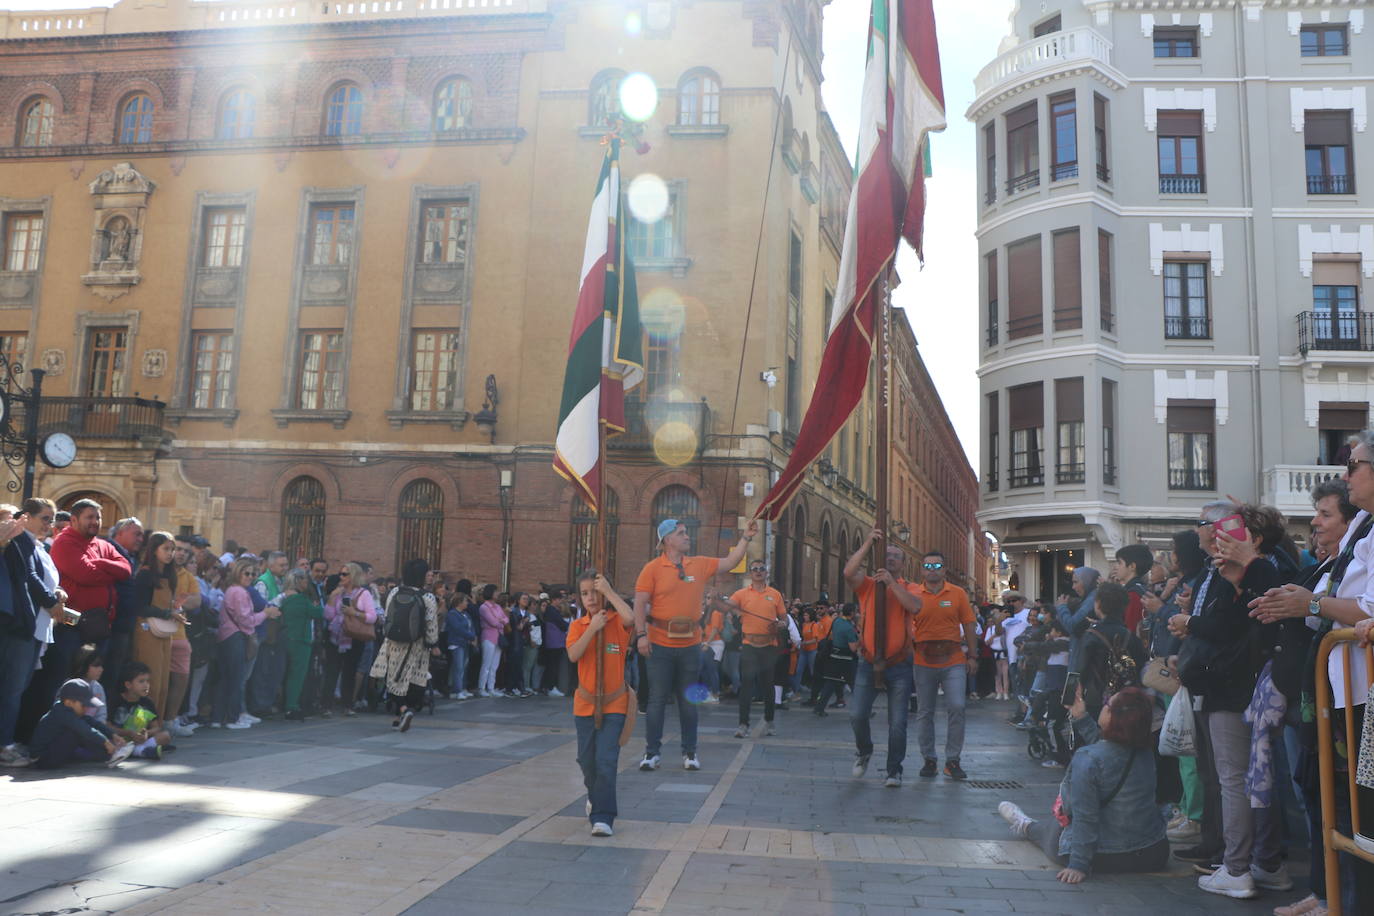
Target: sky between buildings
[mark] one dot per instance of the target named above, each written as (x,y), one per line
(941,300)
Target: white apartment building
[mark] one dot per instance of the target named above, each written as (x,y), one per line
(1176,224)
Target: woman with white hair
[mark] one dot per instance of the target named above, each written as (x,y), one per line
(350,612)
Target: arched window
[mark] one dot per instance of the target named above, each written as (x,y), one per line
(604,105)
(824,566)
(698,99)
(35,123)
(420,532)
(343,111)
(583,554)
(302,518)
(842,556)
(236,115)
(797,545)
(136,119)
(677,502)
(453,105)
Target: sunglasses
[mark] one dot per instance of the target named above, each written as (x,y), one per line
(758,569)
(1354,463)
(1203,523)
(681,573)
(932,566)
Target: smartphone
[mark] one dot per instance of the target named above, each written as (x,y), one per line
(70,617)
(1070,689)
(346,601)
(1234,526)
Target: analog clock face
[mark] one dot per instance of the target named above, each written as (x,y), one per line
(59,450)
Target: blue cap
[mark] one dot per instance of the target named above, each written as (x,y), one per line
(78,689)
(667,527)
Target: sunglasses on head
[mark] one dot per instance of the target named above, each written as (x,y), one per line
(932,566)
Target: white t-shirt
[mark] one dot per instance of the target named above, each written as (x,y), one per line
(1356,584)
(1014,627)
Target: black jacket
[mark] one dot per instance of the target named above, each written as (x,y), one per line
(55,722)
(1242,643)
(1095,662)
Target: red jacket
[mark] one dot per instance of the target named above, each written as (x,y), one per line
(88,570)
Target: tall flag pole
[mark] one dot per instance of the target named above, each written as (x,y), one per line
(903,101)
(605,359)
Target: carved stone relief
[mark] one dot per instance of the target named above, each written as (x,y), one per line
(54,361)
(154,363)
(120,198)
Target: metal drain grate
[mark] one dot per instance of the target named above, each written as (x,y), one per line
(994,784)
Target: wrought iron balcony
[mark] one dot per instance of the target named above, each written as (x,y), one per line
(1184,327)
(102,418)
(1023,182)
(1064,170)
(1330,184)
(1075,472)
(1339,331)
(1191,479)
(671,429)
(1182,184)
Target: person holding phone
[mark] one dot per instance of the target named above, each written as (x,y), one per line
(350,599)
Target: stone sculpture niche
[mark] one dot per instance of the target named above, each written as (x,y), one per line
(120,198)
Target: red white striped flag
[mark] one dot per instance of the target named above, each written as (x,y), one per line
(903,100)
(605,349)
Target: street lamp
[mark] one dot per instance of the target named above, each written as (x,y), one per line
(829,473)
(507,498)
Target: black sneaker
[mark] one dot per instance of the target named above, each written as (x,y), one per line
(1197,854)
(954,771)
(928,771)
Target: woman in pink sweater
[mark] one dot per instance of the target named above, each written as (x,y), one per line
(352,599)
(237,621)
(495,622)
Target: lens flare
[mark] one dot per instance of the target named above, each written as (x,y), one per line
(638,97)
(697,693)
(663,314)
(633,24)
(647,198)
(675,443)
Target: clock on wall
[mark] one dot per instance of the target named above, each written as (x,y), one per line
(59,450)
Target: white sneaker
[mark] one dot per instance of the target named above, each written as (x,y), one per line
(860,765)
(555,692)
(180,731)
(690,762)
(1364,841)
(1276,880)
(121,754)
(251,720)
(589,807)
(238,724)
(1221,881)
(217,725)
(711,699)
(650,763)
(600,829)
(1016,819)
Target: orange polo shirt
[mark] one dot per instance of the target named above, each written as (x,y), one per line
(715,625)
(941,619)
(761,608)
(823,626)
(898,632)
(674,594)
(615,643)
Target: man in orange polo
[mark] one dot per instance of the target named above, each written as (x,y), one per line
(946,656)
(895,654)
(668,596)
(759,609)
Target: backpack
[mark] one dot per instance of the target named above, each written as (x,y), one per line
(1122,671)
(405,616)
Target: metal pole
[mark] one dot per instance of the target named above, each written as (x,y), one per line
(880,515)
(32,402)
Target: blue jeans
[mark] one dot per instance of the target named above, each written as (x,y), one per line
(269,674)
(672,669)
(458,669)
(598,754)
(708,672)
(898,680)
(806,662)
(729,663)
(18,655)
(233,662)
(926,680)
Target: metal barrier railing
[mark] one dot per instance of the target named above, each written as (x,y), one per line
(1334,841)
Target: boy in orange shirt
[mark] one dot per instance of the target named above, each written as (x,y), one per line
(598,643)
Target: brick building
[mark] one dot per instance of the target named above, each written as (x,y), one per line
(339,244)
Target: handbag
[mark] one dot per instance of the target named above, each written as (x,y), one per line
(161,627)
(358,629)
(1160,676)
(94,626)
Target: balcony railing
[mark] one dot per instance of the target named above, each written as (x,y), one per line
(1023,182)
(1183,327)
(1070,473)
(1181,184)
(1288,487)
(1191,479)
(102,418)
(669,428)
(1044,53)
(1103,173)
(1032,475)
(992,322)
(1065,170)
(1330,184)
(1339,331)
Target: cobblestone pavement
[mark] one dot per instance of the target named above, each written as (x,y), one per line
(478,809)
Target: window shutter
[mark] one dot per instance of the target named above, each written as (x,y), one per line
(1068,400)
(1327,128)
(1104,277)
(994,421)
(1342,415)
(1108,404)
(1021,116)
(1191,416)
(1179,124)
(1068,281)
(991,260)
(1025,305)
(1027,403)
(1335,273)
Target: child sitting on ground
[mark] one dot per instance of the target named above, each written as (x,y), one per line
(90,667)
(598,743)
(65,735)
(134,716)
